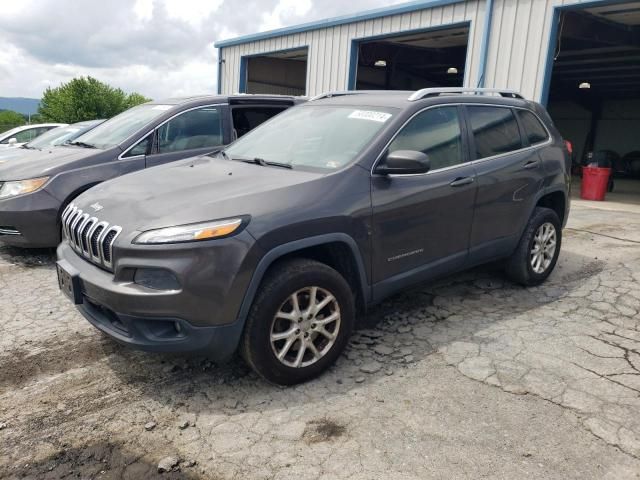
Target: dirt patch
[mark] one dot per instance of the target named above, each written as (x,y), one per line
(588,270)
(101,460)
(19,366)
(29,258)
(323,430)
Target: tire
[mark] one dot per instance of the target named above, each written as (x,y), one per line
(520,266)
(298,277)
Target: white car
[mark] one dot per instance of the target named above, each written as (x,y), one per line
(20,135)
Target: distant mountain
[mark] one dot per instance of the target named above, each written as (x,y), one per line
(25,106)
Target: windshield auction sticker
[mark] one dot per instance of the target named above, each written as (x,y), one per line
(370,115)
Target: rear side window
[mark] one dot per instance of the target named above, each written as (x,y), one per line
(533,128)
(495,130)
(28,135)
(246,119)
(435,132)
(198,128)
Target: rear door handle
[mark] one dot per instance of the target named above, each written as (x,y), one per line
(460,181)
(531,164)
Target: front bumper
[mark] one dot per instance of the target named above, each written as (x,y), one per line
(32,220)
(199,317)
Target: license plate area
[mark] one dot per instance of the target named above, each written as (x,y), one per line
(69,283)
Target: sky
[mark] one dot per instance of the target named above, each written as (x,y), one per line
(159,48)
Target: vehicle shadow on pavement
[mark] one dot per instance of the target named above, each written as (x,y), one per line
(392,338)
(100,460)
(32,257)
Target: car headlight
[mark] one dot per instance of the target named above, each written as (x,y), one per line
(20,187)
(191,233)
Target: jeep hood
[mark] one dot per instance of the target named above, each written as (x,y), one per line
(22,163)
(193,190)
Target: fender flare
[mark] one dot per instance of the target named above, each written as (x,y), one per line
(547,191)
(278,252)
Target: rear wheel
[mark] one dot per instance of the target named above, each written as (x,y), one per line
(299,323)
(538,250)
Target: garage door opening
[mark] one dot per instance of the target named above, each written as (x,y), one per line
(594,95)
(434,58)
(283,73)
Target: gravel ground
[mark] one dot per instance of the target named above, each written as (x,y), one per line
(472,377)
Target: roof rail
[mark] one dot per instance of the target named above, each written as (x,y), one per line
(335,94)
(432,92)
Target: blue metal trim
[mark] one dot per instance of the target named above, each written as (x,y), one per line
(242,87)
(486,37)
(242,84)
(283,50)
(355,45)
(553,39)
(551,50)
(332,22)
(353,64)
(220,62)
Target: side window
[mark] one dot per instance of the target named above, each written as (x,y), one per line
(143,147)
(435,132)
(194,129)
(495,130)
(246,119)
(533,128)
(26,135)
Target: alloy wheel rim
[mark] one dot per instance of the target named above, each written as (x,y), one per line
(544,247)
(305,327)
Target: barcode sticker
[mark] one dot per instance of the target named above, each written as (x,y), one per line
(370,115)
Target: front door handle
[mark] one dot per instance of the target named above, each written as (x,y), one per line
(460,181)
(531,164)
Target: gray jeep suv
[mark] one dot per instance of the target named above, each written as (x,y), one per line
(34,192)
(274,245)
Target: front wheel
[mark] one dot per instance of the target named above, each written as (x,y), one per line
(299,323)
(538,250)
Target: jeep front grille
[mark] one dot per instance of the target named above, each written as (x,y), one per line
(90,237)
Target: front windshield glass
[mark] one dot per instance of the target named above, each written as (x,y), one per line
(117,129)
(57,136)
(317,137)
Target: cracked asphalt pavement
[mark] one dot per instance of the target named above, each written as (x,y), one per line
(471,377)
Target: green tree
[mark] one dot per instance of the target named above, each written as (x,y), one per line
(85,99)
(134,99)
(10,119)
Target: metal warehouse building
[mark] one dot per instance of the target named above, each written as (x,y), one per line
(580,58)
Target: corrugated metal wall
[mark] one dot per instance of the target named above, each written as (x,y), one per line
(329,48)
(517,52)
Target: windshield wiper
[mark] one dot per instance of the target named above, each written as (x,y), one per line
(262,162)
(82,144)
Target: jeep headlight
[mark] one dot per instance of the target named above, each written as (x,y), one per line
(20,187)
(190,233)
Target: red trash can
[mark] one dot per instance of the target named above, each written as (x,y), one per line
(595,181)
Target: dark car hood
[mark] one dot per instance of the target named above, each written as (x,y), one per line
(190,191)
(40,163)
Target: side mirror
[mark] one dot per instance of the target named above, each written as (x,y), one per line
(12,141)
(404,162)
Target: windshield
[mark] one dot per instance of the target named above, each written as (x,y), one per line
(317,137)
(117,129)
(58,136)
